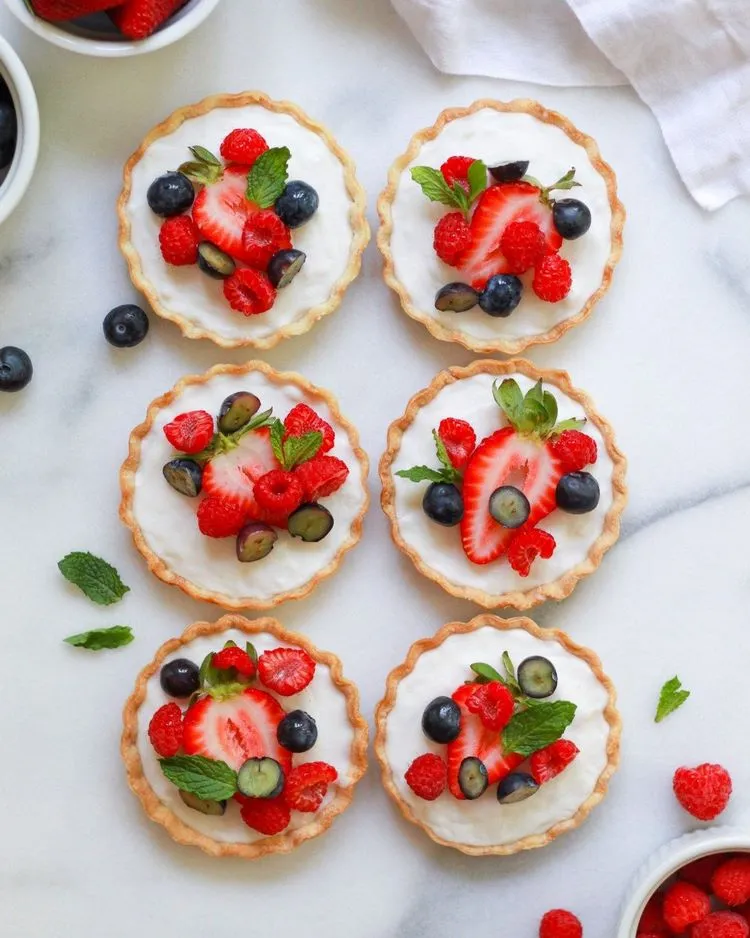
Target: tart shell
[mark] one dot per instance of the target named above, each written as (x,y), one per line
(176,828)
(360,227)
(547,635)
(518,599)
(385,204)
(130,467)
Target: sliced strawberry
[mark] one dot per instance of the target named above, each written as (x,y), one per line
(235,473)
(475,740)
(235,730)
(497,207)
(505,458)
(221,210)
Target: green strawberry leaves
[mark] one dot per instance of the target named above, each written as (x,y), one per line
(225,442)
(533,414)
(96,578)
(671,698)
(204,168)
(268,175)
(205,778)
(433,185)
(567,181)
(290,451)
(446,473)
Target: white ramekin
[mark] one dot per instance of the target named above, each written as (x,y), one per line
(108,44)
(668,860)
(21,170)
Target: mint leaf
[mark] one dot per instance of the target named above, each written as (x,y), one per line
(204,156)
(277,440)
(672,697)
(509,398)
(461,197)
(508,665)
(433,185)
(424,474)
(540,726)
(450,473)
(477,176)
(267,178)
(298,449)
(205,778)
(250,649)
(486,671)
(97,639)
(94,577)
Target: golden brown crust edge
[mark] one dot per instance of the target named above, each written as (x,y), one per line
(518,599)
(360,227)
(611,716)
(385,203)
(176,828)
(130,467)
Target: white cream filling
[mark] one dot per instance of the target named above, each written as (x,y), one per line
(168,521)
(439,547)
(321,699)
(326,239)
(497,137)
(485,822)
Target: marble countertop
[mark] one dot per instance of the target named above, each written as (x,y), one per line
(665,355)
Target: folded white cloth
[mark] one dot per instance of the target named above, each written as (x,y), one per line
(689,60)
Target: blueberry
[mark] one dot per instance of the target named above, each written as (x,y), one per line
(260,778)
(311,522)
(509,172)
(185,476)
(456,298)
(577,493)
(237,410)
(472,778)
(518,786)
(571,218)
(125,326)
(501,295)
(15,368)
(284,267)
(297,732)
(214,262)
(214,808)
(170,194)
(509,506)
(8,133)
(255,541)
(441,720)
(180,677)
(297,203)
(443,503)
(537,677)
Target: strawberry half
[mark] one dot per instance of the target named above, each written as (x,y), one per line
(221,210)
(235,473)
(496,208)
(475,740)
(235,730)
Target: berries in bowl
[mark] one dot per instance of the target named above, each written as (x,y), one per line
(19,130)
(243,739)
(242,220)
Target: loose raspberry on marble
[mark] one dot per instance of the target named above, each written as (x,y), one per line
(250,292)
(268,816)
(427,776)
(552,278)
(456,169)
(526,546)
(703,791)
(452,237)
(307,785)
(575,450)
(493,703)
(721,925)
(165,730)
(233,657)
(459,440)
(178,240)
(302,419)
(684,905)
(559,923)
(244,146)
(524,245)
(278,493)
(321,476)
(220,516)
(731,881)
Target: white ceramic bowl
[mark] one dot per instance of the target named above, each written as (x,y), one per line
(19,174)
(667,861)
(95,35)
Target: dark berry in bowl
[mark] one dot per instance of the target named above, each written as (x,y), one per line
(214,808)
(518,786)
(297,732)
(16,369)
(8,133)
(509,506)
(456,298)
(284,267)
(185,476)
(472,778)
(237,410)
(125,326)
(571,218)
(214,262)
(509,172)
(311,522)
(297,203)
(577,493)
(260,778)
(180,678)
(443,503)
(501,295)
(441,720)
(255,541)
(170,194)
(537,677)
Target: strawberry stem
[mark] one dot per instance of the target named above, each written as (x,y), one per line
(564,182)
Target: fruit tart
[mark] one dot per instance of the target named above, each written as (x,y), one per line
(242,220)
(496,736)
(243,739)
(244,486)
(500,226)
(503,484)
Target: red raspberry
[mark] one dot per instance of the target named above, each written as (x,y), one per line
(523,245)
(302,419)
(456,169)
(575,450)
(321,476)
(549,762)
(286,670)
(268,816)
(744,911)
(243,146)
(721,925)
(699,872)
(494,703)
(165,730)
(704,791)
(278,494)
(307,785)
(427,776)
(459,439)
(233,657)
(220,516)
(526,546)
(652,919)
(685,904)
(452,237)
(263,235)
(249,292)
(190,432)
(178,240)
(558,923)
(731,881)
(552,278)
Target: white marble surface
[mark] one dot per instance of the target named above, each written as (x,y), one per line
(665,355)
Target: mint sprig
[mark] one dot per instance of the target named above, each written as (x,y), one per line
(98,639)
(96,578)
(207,779)
(291,451)
(433,185)
(671,698)
(567,181)
(537,727)
(446,473)
(533,414)
(268,175)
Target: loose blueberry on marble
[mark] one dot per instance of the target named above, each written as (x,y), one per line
(456,298)
(125,326)
(237,410)
(180,678)
(297,732)
(15,368)
(518,786)
(571,218)
(441,720)
(8,128)
(472,778)
(170,194)
(501,295)
(185,476)
(297,203)
(537,677)
(577,493)
(215,262)
(509,506)
(443,503)
(509,172)
(311,523)
(284,267)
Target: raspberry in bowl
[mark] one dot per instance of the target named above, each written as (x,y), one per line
(19,130)
(242,220)
(244,486)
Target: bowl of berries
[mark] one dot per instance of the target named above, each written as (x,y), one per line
(19,130)
(111,28)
